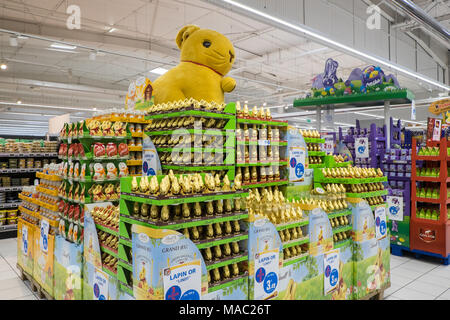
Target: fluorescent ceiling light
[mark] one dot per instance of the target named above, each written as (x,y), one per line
(44,106)
(22,37)
(159,71)
(344,124)
(62,50)
(57,45)
(336,44)
(112,30)
(23,121)
(369,115)
(19,101)
(13,41)
(3,66)
(92,55)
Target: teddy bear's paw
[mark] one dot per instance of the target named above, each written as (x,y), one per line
(228,84)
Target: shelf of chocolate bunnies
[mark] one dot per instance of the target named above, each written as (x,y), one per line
(342,229)
(208,243)
(108,250)
(207,132)
(262,164)
(295,242)
(287,262)
(241,256)
(227,283)
(185,223)
(199,149)
(107,229)
(271,122)
(196,168)
(293,224)
(109,271)
(130,190)
(192,112)
(261,143)
(314,140)
(341,175)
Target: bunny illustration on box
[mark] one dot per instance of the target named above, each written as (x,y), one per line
(206,57)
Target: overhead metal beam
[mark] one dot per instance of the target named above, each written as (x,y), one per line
(428,50)
(62,86)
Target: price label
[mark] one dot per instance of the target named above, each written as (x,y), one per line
(297,156)
(330,271)
(328,145)
(183,282)
(100,286)
(264,142)
(266,275)
(380,222)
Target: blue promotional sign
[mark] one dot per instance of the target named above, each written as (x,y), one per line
(266,276)
(331,270)
(380,222)
(395,208)
(362,147)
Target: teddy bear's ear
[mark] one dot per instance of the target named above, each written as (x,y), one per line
(184,33)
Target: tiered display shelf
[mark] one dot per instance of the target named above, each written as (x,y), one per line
(377,143)
(430,234)
(223,153)
(128,218)
(15,177)
(397,167)
(261,151)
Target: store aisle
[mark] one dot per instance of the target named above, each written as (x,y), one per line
(411,279)
(418,279)
(11,287)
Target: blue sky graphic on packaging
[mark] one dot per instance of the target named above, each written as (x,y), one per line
(363,221)
(166,265)
(91,245)
(237,292)
(320,232)
(68,269)
(297,149)
(151,165)
(265,258)
(92,259)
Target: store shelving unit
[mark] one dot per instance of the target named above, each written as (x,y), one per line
(397,167)
(377,143)
(226,148)
(225,131)
(315,143)
(128,218)
(93,189)
(258,144)
(427,235)
(18,173)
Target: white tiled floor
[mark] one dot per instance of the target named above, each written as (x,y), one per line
(11,287)
(418,279)
(411,278)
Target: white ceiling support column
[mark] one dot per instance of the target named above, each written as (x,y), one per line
(319,118)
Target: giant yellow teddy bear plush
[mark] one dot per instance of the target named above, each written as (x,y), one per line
(206,57)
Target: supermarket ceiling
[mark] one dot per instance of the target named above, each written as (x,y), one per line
(121,40)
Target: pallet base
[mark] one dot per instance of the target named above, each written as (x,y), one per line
(377,294)
(397,250)
(35,286)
